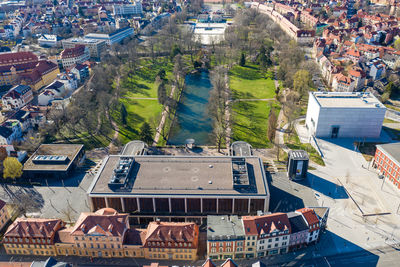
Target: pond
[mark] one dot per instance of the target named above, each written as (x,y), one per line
(192,119)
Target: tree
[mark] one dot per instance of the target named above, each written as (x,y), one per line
(218,105)
(146,133)
(12,168)
(124,114)
(272,124)
(302,82)
(242,61)
(162,93)
(175,51)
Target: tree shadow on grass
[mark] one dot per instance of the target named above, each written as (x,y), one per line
(134,87)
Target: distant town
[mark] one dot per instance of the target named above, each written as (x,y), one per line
(199,133)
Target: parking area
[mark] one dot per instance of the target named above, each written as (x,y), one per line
(64,199)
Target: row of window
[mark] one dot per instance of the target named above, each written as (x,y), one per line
(23,251)
(98,245)
(228,249)
(24,245)
(276,245)
(170,244)
(96,238)
(169,250)
(20,240)
(276,239)
(175,256)
(228,244)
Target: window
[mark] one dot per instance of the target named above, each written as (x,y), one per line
(277,239)
(269,246)
(221,244)
(213,244)
(228,244)
(269,240)
(276,245)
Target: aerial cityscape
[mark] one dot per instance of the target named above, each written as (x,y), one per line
(207,133)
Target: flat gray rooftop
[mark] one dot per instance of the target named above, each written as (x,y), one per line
(347,100)
(167,175)
(222,227)
(68,150)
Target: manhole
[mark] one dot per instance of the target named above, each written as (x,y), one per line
(166,169)
(195,178)
(195,170)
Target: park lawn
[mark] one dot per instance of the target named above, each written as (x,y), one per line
(249,83)
(250,122)
(141,83)
(139,111)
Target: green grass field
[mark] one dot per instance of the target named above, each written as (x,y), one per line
(139,111)
(141,82)
(249,83)
(250,122)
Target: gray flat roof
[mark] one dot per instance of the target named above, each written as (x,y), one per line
(181,175)
(347,100)
(68,150)
(393,149)
(241,148)
(222,227)
(134,148)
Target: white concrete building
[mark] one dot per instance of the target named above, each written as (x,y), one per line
(344,115)
(49,40)
(112,38)
(127,10)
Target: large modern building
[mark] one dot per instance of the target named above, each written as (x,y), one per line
(128,10)
(179,188)
(112,38)
(344,115)
(54,160)
(96,47)
(387,162)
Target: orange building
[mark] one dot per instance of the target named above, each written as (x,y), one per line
(172,241)
(32,236)
(27,69)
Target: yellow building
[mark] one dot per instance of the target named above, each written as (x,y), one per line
(171,241)
(99,234)
(25,68)
(4,215)
(32,236)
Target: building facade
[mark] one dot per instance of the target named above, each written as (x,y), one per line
(344,115)
(95,47)
(128,10)
(99,234)
(313,224)
(387,162)
(112,38)
(76,55)
(32,236)
(300,230)
(171,241)
(157,187)
(17,97)
(272,232)
(225,237)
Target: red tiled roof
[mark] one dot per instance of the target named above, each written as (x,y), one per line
(17,58)
(353,53)
(256,225)
(104,223)
(309,215)
(229,263)
(171,232)
(208,263)
(33,227)
(76,51)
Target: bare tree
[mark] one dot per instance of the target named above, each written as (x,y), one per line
(218,104)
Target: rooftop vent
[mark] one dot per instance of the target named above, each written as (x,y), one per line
(121,173)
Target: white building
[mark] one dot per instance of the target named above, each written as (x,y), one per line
(17,97)
(49,40)
(127,10)
(112,38)
(344,115)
